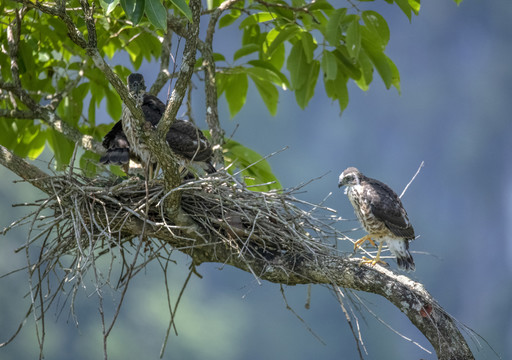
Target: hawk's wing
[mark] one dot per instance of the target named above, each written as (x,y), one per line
(153,109)
(387,207)
(117,145)
(187,141)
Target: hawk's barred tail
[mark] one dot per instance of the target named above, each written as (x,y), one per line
(403,257)
(405,262)
(116,156)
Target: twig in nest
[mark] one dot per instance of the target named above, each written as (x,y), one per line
(85,220)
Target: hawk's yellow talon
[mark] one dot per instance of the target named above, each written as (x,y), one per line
(375,260)
(360,242)
(371,262)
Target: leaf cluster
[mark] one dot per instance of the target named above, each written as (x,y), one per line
(284,45)
(290,45)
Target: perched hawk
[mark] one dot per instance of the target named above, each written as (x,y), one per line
(185,140)
(382,215)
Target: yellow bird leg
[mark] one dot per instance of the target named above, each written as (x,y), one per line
(375,260)
(360,242)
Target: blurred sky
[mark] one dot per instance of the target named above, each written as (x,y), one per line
(453,113)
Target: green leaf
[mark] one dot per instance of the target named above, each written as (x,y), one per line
(395,75)
(8,132)
(306,92)
(333,28)
(114,104)
(415,5)
(257,18)
(27,50)
(149,46)
(268,93)
(236,92)
(183,8)
(36,144)
(337,90)
(309,45)
(88,163)
(91,113)
(245,50)
(108,5)
(381,63)
(277,36)
(353,38)
(251,35)
(252,166)
(70,109)
(62,148)
(320,5)
(98,83)
(110,48)
(377,26)
(229,19)
(346,64)
(156,13)
(26,138)
(329,65)
(367,71)
(221,80)
(457,1)
(134,9)
(78,95)
(278,56)
(405,7)
(297,65)
(266,71)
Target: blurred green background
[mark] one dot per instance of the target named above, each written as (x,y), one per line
(454,114)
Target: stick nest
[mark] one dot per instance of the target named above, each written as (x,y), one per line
(84,220)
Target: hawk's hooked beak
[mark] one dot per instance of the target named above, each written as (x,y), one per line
(341,181)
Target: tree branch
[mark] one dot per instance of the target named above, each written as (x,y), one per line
(212,114)
(46,113)
(26,171)
(288,267)
(49,118)
(165,55)
(16,114)
(166,159)
(186,70)
(407,295)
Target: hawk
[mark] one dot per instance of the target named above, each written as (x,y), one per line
(382,215)
(185,140)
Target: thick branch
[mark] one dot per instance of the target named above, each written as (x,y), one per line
(289,268)
(48,117)
(186,70)
(407,295)
(16,114)
(25,170)
(212,115)
(166,159)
